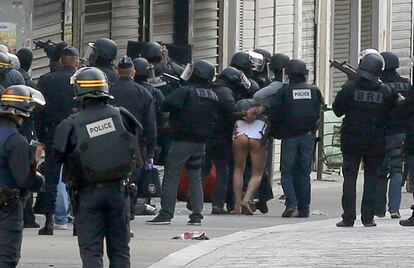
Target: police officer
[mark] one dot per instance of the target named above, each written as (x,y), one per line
(8,75)
(262,77)
(241,61)
(101,54)
(365,104)
(58,92)
(99,148)
(193,109)
(16,169)
(394,141)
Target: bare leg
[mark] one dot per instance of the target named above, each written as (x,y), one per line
(240,151)
(258,157)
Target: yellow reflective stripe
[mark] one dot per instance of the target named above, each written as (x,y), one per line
(16,96)
(90,81)
(12,99)
(2,64)
(93,85)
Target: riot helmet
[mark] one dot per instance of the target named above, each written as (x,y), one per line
(90,82)
(103,48)
(4,48)
(371,66)
(391,60)
(143,69)
(200,70)
(4,60)
(14,61)
(241,61)
(297,67)
(266,54)
(235,79)
(20,100)
(279,62)
(152,51)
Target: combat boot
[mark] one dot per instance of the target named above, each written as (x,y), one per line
(409,221)
(48,228)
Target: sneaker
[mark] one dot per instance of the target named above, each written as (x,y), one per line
(408,222)
(31,225)
(218,210)
(194,222)
(370,224)
(395,215)
(344,224)
(60,226)
(159,220)
(288,213)
(262,207)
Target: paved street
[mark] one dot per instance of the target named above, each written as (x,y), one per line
(153,243)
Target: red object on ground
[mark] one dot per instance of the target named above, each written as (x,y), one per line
(208,185)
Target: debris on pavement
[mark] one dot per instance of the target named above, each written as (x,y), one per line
(192,236)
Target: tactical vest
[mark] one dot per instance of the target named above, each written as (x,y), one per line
(197,119)
(6,177)
(394,122)
(105,150)
(364,124)
(302,107)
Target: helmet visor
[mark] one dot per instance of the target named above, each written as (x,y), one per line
(257,61)
(365,52)
(91,54)
(37,96)
(188,71)
(245,82)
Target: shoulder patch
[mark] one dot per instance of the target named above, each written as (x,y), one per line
(302,94)
(100,127)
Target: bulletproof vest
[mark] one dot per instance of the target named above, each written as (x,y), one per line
(367,112)
(6,177)
(199,115)
(301,108)
(399,86)
(105,150)
(395,122)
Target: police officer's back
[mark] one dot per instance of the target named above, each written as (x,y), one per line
(99,148)
(101,54)
(16,169)
(8,75)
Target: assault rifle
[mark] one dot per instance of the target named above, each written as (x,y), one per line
(48,47)
(347,69)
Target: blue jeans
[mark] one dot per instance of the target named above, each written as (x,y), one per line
(296,166)
(62,203)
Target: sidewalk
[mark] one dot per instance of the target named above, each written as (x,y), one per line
(309,244)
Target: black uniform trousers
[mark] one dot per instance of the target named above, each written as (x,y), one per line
(350,168)
(11,233)
(103,212)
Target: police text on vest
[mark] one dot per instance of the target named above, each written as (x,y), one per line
(300,94)
(100,128)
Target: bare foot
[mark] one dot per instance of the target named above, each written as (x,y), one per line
(246,208)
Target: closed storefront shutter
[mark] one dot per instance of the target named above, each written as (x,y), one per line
(205,30)
(308,36)
(284,27)
(47,24)
(366,24)
(401,33)
(246,25)
(97,20)
(341,50)
(125,23)
(266,25)
(163,21)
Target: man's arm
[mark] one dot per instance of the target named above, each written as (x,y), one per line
(340,105)
(18,158)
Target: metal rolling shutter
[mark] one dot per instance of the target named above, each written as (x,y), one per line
(246,25)
(266,25)
(125,24)
(308,36)
(47,24)
(341,50)
(401,37)
(284,27)
(366,24)
(205,27)
(97,20)
(163,21)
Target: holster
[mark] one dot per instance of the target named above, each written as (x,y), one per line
(9,199)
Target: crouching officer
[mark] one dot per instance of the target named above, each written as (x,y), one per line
(99,148)
(193,110)
(365,104)
(17,170)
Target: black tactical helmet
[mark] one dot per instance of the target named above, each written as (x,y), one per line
(278,62)
(391,60)
(20,100)
(143,68)
(241,61)
(201,69)
(4,60)
(90,82)
(266,54)
(235,78)
(371,66)
(152,51)
(103,48)
(297,67)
